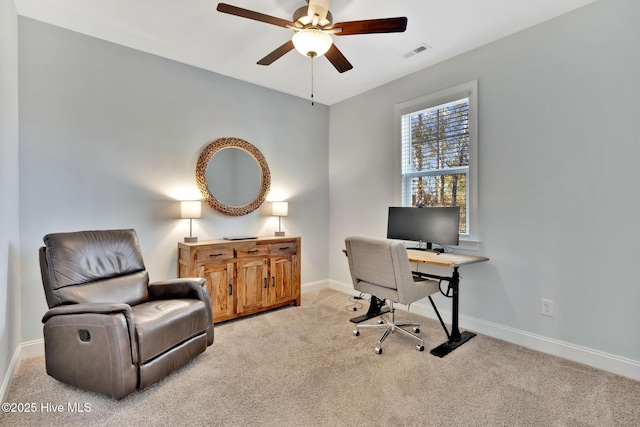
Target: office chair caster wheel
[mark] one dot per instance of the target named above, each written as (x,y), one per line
(378,350)
(420,347)
(416,330)
(356,333)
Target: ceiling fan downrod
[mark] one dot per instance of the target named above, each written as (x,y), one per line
(312,55)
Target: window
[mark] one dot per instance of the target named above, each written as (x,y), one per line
(438,154)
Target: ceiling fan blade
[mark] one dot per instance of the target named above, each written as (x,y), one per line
(337,59)
(250,14)
(270,58)
(384,25)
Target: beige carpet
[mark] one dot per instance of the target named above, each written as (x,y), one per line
(301,366)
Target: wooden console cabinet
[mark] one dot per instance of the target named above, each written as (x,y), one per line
(244,276)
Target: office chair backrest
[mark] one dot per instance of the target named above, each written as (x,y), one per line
(93,266)
(379,262)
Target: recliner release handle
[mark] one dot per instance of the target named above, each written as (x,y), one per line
(84,335)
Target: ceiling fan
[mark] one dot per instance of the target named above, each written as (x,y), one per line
(313,26)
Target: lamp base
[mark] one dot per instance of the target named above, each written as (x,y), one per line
(279,233)
(190,239)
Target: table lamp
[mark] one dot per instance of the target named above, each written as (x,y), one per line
(279,209)
(190,209)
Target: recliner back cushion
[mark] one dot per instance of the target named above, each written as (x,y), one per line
(130,289)
(95,266)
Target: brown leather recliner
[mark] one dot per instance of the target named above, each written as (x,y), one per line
(108,329)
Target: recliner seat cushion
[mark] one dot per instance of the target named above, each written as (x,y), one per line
(163,324)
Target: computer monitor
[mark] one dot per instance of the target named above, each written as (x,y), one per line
(439,225)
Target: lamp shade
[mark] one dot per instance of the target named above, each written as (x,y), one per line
(190,209)
(279,208)
(311,42)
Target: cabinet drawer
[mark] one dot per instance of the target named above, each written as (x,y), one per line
(214,254)
(283,248)
(251,251)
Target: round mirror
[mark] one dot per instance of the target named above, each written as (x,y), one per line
(233,176)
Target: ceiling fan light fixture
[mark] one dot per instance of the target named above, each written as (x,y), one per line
(312,42)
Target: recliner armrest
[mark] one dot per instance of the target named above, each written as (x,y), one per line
(99,308)
(188,287)
(192,287)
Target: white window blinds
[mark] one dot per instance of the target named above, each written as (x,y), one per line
(435,157)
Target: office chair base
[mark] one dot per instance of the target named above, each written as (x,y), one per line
(377,307)
(419,347)
(391,326)
(368,316)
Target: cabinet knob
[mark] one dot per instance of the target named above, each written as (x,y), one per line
(230,289)
(215,254)
(273,281)
(266,284)
(286,247)
(252,251)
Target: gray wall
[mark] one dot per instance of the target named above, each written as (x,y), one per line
(558,183)
(9,236)
(110,136)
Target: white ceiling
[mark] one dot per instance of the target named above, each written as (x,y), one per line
(194,33)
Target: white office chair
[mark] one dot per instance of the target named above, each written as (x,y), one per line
(381,268)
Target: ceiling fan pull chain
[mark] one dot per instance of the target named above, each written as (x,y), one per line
(312,79)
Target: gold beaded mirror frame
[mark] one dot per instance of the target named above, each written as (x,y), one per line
(207,178)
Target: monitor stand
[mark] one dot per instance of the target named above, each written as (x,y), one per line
(376,308)
(428,247)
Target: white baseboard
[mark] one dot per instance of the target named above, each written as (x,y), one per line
(6,382)
(314,286)
(598,359)
(25,350)
(31,349)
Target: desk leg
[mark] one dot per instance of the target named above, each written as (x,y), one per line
(456,339)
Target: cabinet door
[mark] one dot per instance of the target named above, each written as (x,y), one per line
(282,279)
(219,276)
(252,284)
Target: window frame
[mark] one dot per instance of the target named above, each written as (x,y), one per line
(444,96)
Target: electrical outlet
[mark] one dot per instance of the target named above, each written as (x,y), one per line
(546,307)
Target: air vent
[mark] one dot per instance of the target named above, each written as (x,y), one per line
(417,50)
